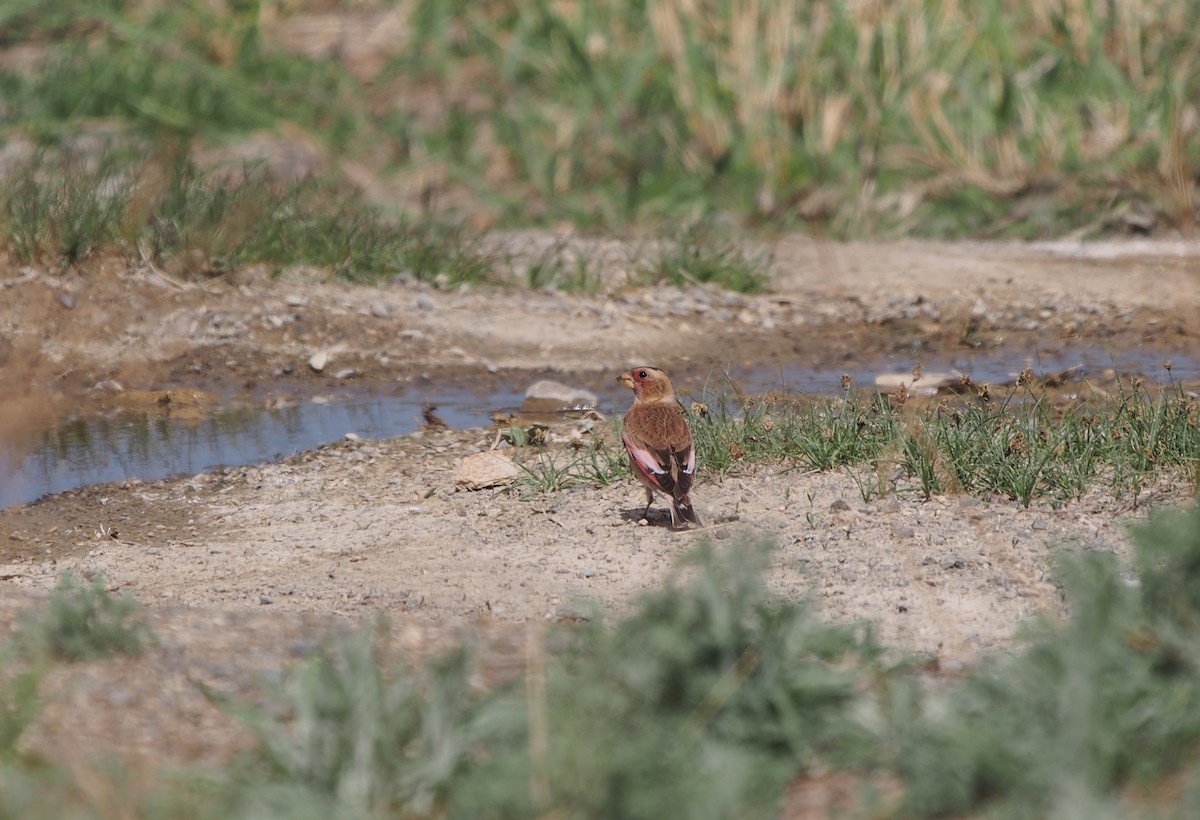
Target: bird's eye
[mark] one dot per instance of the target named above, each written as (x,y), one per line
(641,374)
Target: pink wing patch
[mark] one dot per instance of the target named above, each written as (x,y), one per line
(647,463)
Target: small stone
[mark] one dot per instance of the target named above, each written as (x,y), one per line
(486,469)
(318,361)
(296,300)
(839,506)
(926,384)
(900,533)
(380,310)
(67,300)
(424,303)
(547,396)
(344,373)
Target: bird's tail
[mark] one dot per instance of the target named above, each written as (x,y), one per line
(682,510)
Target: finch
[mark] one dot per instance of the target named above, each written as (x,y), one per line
(659,443)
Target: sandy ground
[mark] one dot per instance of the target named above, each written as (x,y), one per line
(241,573)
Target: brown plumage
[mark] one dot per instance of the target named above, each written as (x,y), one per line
(659,443)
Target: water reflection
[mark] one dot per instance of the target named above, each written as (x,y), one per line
(151,446)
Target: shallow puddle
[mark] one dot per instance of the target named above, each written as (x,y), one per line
(150,446)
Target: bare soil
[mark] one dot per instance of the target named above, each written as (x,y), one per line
(241,573)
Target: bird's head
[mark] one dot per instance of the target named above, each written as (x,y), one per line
(648,384)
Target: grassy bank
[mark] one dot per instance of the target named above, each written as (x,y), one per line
(947,119)
(1023,445)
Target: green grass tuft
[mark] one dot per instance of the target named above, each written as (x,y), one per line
(82,622)
(817,435)
(699,257)
(595,464)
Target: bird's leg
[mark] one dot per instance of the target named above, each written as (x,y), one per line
(649,501)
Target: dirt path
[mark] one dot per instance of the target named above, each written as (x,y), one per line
(242,572)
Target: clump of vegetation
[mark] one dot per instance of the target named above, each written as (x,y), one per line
(1020,446)
(58,213)
(1100,711)
(704,702)
(563,267)
(363,737)
(815,435)
(1025,448)
(593,464)
(699,256)
(82,622)
(625,116)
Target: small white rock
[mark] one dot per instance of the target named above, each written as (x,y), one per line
(318,361)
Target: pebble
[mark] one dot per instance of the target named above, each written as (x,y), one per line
(424,303)
(380,310)
(548,396)
(318,361)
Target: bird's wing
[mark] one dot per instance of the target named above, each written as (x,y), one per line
(660,444)
(652,463)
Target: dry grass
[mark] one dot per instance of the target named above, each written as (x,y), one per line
(1023,117)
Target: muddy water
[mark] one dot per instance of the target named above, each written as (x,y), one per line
(147,446)
(995,367)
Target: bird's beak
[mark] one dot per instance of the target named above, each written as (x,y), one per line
(626,380)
